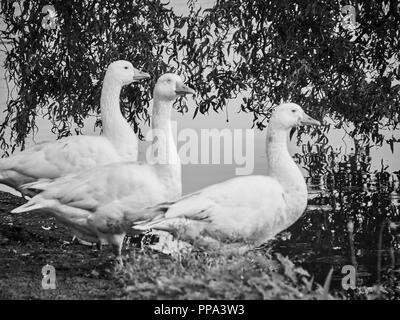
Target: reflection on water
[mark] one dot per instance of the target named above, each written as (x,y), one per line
(350,220)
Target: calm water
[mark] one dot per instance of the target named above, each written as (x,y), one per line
(346,189)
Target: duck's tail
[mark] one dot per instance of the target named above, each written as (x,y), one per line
(8,175)
(34,203)
(37,186)
(153,217)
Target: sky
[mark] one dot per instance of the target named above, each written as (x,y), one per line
(180,6)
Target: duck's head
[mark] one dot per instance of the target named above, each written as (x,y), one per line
(170,86)
(124,73)
(290,115)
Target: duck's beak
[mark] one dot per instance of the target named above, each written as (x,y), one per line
(140,75)
(307,120)
(183,89)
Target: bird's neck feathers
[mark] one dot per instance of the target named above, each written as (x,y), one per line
(115,126)
(281,166)
(164,154)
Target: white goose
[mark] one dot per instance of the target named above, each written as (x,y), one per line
(71,154)
(101,204)
(246,210)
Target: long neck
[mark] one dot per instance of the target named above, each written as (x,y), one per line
(115,127)
(164,152)
(281,166)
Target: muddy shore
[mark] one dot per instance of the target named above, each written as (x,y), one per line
(30,241)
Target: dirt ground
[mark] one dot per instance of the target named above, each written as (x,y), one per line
(30,241)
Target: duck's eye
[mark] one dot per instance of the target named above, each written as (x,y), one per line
(293,110)
(126,67)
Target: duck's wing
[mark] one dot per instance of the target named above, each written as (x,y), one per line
(118,184)
(100,202)
(50,160)
(237,206)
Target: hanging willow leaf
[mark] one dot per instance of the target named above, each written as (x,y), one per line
(265,51)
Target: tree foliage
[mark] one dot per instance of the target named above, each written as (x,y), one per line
(58,72)
(299,51)
(262,51)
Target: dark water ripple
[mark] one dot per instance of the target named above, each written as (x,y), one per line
(352,218)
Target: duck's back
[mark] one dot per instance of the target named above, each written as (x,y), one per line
(250,209)
(54,159)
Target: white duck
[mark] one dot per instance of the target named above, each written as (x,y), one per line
(54,159)
(101,204)
(245,210)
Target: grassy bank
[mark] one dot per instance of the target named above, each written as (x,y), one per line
(200,275)
(30,241)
